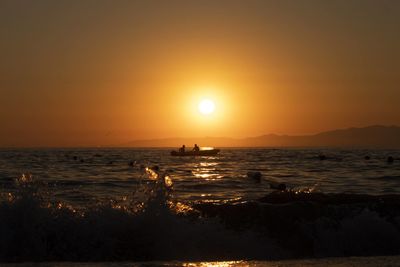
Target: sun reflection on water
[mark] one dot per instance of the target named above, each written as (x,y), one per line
(216,264)
(206,171)
(208,164)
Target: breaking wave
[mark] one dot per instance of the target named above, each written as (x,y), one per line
(151,225)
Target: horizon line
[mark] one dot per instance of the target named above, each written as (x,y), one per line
(267,134)
(129,144)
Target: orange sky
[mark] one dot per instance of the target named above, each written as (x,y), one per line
(99,73)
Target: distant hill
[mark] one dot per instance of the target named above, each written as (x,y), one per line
(368,137)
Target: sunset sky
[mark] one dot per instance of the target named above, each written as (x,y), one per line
(95,73)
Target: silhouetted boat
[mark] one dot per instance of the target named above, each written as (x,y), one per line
(209,152)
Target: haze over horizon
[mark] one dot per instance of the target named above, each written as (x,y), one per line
(96,73)
(375,136)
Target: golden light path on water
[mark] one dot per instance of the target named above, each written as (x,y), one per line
(207,171)
(217,264)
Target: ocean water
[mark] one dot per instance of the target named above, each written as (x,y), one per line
(382,261)
(145,205)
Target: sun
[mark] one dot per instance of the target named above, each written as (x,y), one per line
(206,107)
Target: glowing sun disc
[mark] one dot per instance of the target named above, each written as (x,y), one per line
(206,107)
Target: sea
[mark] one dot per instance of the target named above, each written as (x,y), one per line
(242,207)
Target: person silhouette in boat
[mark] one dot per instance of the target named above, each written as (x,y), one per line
(182,149)
(196,148)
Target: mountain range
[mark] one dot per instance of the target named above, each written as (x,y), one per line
(367,137)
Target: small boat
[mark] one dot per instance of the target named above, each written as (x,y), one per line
(208,152)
